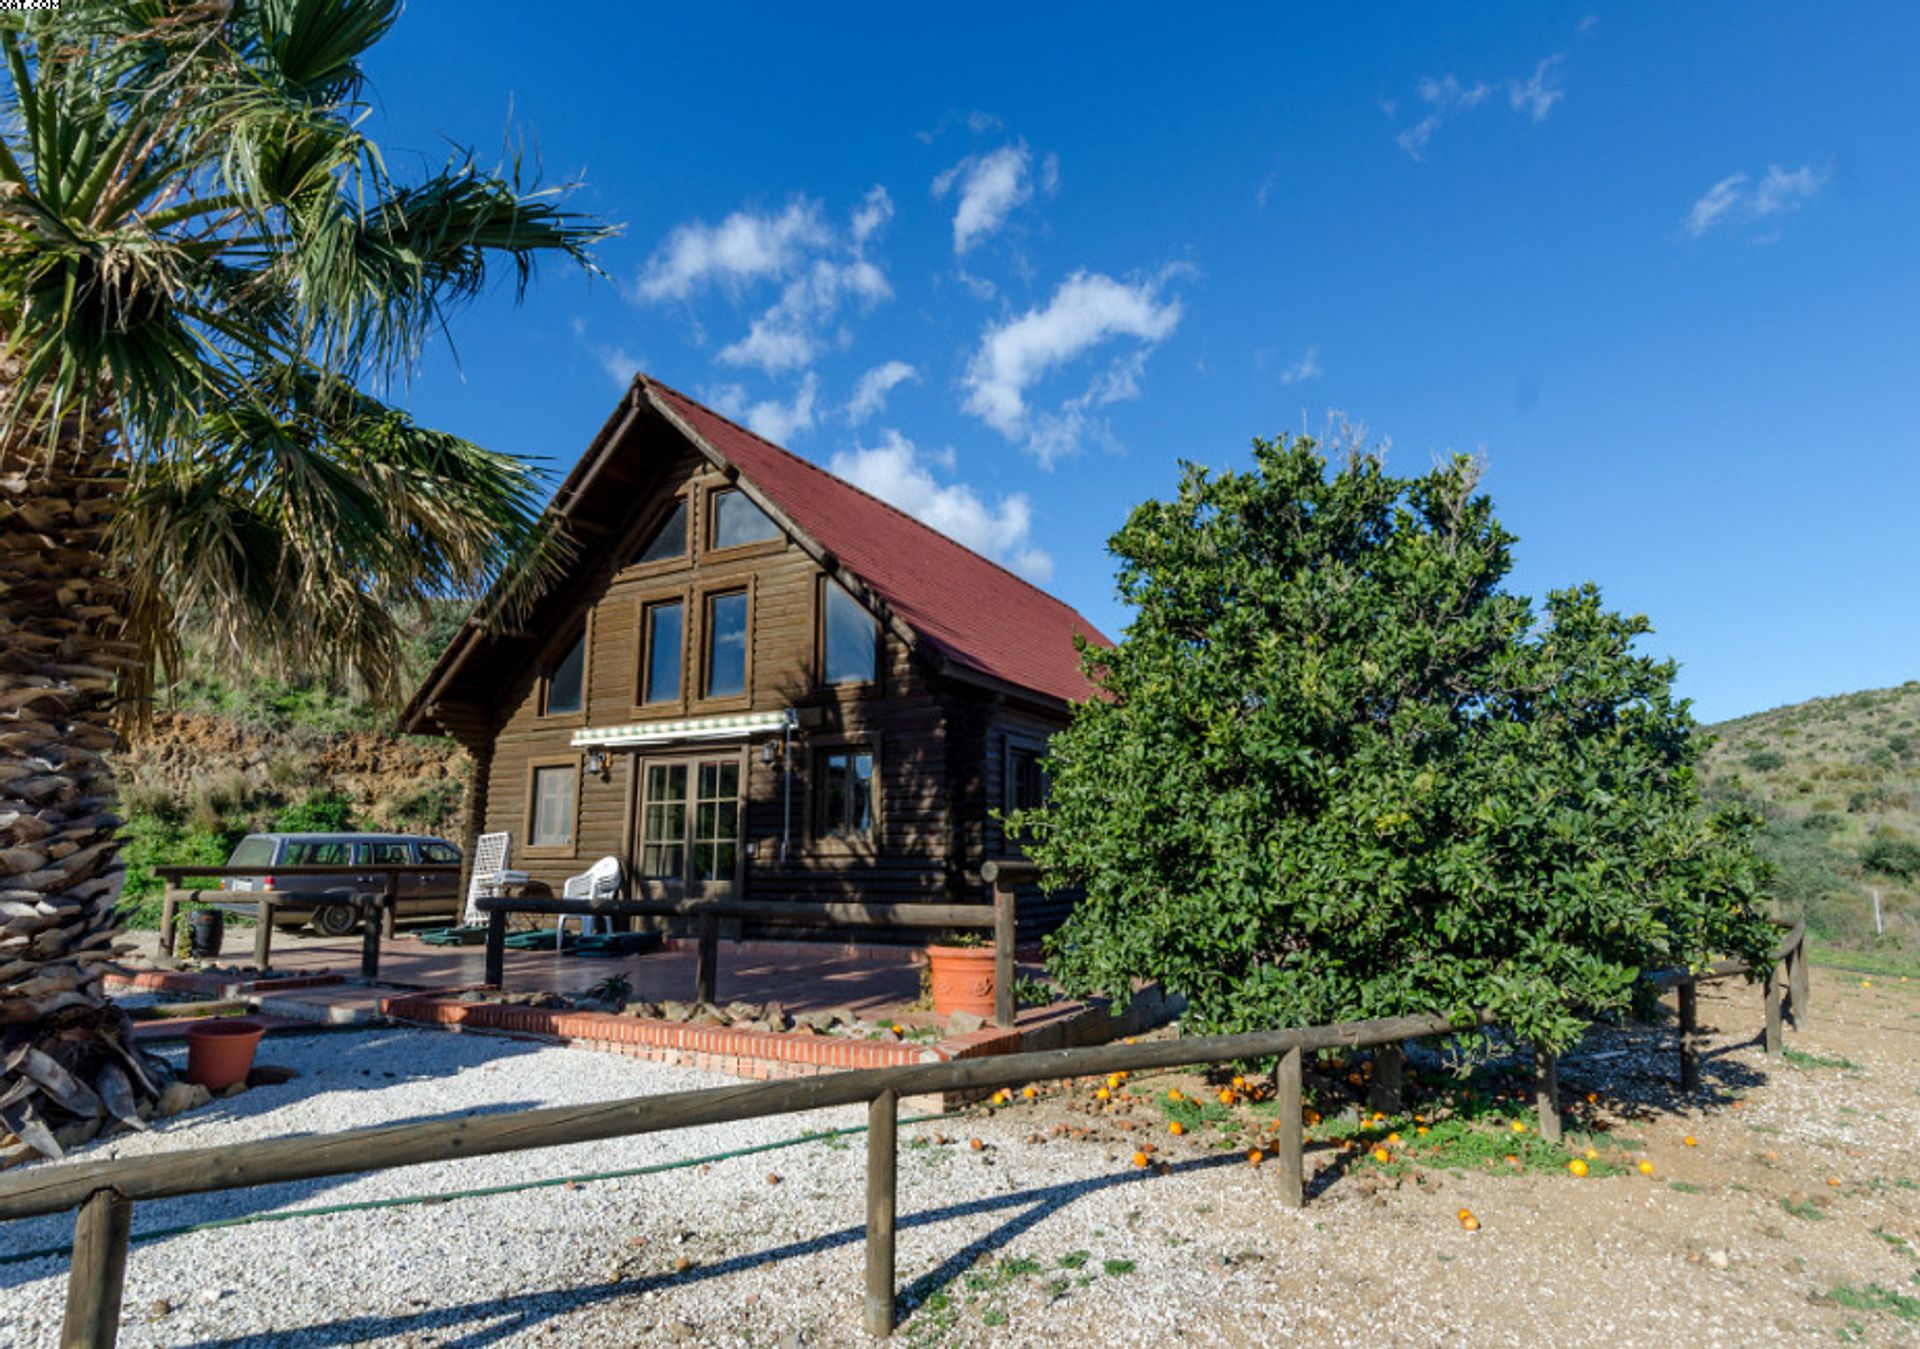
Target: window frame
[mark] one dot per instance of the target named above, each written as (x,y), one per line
(529,798)
(554,654)
(821,843)
(684,495)
(858,687)
(643,649)
(702,665)
(710,530)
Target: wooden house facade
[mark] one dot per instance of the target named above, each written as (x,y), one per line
(754,680)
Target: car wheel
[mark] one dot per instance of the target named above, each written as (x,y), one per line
(335,920)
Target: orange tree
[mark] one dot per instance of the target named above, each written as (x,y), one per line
(1336,770)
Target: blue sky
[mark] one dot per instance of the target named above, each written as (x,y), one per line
(1007,265)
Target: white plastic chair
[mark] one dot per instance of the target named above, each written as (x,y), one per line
(490,875)
(602,880)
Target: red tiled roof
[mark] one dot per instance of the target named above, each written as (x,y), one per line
(973,612)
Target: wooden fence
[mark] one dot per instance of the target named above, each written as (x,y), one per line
(104,1192)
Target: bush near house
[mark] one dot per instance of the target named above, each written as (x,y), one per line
(1336,770)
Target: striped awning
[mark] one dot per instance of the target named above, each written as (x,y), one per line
(693,728)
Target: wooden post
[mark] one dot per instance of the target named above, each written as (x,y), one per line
(369,937)
(1005,1008)
(1291,1155)
(1385,1090)
(706,969)
(882,1163)
(1797,982)
(169,919)
(1546,1094)
(1775,986)
(1689,1042)
(496,972)
(390,905)
(262,933)
(98,1275)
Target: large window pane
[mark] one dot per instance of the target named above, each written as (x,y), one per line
(665,623)
(552,825)
(670,540)
(567,680)
(737,521)
(727,645)
(851,639)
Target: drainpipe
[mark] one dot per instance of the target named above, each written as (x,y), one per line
(786,778)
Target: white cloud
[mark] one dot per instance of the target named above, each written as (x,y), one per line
(897,472)
(1714,204)
(777,421)
(744,247)
(1779,192)
(1088,310)
(1414,139)
(1536,95)
(1447,93)
(991,186)
(1307,367)
(820,269)
(870,394)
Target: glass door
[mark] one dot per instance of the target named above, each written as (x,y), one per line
(690,827)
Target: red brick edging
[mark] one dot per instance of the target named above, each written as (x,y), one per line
(213,985)
(721,1049)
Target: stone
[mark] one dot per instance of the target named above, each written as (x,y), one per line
(676,1011)
(649,1011)
(965,1023)
(776,1014)
(742,1011)
(1719,1259)
(233,1091)
(817,1022)
(181,1096)
(840,1016)
(707,1014)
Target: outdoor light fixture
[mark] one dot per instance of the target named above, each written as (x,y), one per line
(769,751)
(596,762)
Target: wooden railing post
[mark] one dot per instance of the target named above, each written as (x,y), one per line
(369,937)
(1385,1089)
(1774,989)
(390,906)
(882,1166)
(706,966)
(1291,1145)
(169,920)
(1689,1043)
(262,933)
(496,969)
(98,1276)
(1005,934)
(1797,982)
(1546,1093)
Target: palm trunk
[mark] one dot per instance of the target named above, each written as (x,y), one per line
(67,1065)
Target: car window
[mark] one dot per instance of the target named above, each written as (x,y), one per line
(389,854)
(439,854)
(329,854)
(254,851)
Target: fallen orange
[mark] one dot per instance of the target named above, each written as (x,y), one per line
(1578,1167)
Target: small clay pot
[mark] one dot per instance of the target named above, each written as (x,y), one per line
(220,1053)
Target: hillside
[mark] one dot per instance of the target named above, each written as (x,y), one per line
(1838,780)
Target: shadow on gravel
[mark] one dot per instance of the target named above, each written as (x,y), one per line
(486,1322)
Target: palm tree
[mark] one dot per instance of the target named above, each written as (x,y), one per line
(210,279)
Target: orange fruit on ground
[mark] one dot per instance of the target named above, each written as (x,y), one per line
(1255,1157)
(1393,1138)
(976,1144)
(1518,1127)
(1512,1160)
(1226,1097)
(1464,1214)
(1102,1094)
(1173,1094)
(1382,1155)
(1691,1141)
(1834,1181)
(898,1029)
(1578,1167)
(1471,1223)
(1239,1081)
(1140,1159)
(1646,1168)
(1029,1092)
(1421,1129)
(1592,1155)
(1176,1128)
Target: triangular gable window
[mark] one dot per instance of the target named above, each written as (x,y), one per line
(670,540)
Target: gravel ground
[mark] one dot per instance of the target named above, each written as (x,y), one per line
(1025,1242)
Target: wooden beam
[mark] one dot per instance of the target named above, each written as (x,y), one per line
(54,1189)
(882,1174)
(706,969)
(1689,1041)
(1291,1141)
(1775,988)
(1546,1094)
(829,914)
(97,1279)
(1006,1008)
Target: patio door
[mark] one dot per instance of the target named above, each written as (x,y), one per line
(690,826)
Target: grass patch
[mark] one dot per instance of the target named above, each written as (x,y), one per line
(1489,1143)
(1873,1298)
(1805,1209)
(1684,1187)
(1895,963)
(1117,1267)
(1799,1058)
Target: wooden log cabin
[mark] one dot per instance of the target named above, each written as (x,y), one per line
(756,680)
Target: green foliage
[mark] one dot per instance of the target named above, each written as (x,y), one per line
(1892,855)
(1765,760)
(1336,771)
(324,812)
(147,841)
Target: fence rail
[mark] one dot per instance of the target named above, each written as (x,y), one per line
(104,1192)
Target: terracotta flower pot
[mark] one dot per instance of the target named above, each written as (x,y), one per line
(962,979)
(221,1053)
